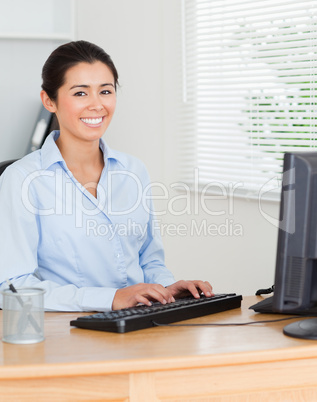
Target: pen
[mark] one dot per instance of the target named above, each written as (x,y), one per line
(13,289)
(29,315)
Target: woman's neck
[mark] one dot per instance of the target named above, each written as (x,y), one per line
(79,153)
(84,160)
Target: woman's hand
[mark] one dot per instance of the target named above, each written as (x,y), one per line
(147,292)
(185,288)
(141,293)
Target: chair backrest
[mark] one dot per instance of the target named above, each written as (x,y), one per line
(5,164)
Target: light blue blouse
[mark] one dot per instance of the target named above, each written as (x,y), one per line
(55,235)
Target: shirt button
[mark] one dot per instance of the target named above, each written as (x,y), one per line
(118,255)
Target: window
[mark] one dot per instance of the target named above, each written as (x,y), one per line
(249,90)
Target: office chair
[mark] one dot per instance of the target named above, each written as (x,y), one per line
(5,164)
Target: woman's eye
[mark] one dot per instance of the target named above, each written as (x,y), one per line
(80,93)
(105,92)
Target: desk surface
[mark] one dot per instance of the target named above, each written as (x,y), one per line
(71,352)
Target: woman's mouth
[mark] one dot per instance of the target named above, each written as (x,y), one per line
(92,122)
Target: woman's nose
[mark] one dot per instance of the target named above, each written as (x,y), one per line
(95,104)
(96,107)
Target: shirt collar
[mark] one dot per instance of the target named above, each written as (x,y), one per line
(109,153)
(50,153)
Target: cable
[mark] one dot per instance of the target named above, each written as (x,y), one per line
(265,291)
(228,324)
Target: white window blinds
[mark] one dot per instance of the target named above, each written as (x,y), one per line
(249,89)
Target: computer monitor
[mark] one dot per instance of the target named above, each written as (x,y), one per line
(296,264)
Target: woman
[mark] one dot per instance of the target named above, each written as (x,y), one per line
(76,218)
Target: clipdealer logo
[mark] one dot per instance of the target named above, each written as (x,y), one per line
(176,200)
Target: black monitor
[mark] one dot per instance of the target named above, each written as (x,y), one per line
(296,264)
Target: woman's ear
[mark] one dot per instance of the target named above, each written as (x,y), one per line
(47,102)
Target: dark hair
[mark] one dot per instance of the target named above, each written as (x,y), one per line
(67,56)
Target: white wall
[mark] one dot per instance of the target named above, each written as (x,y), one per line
(20,85)
(29,31)
(143,38)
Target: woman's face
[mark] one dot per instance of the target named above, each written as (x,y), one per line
(86,102)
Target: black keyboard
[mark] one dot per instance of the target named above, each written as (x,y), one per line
(141,316)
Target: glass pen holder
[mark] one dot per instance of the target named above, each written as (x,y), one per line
(23,315)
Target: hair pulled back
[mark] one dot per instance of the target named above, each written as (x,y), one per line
(69,55)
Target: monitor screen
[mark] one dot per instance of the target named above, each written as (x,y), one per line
(296,264)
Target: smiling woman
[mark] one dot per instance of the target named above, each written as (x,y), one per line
(51,198)
(84,107)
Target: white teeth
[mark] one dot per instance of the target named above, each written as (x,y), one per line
(92,121)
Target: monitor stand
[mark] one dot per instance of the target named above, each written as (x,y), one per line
(304,329)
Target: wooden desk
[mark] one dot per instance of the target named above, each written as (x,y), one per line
(245,363)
